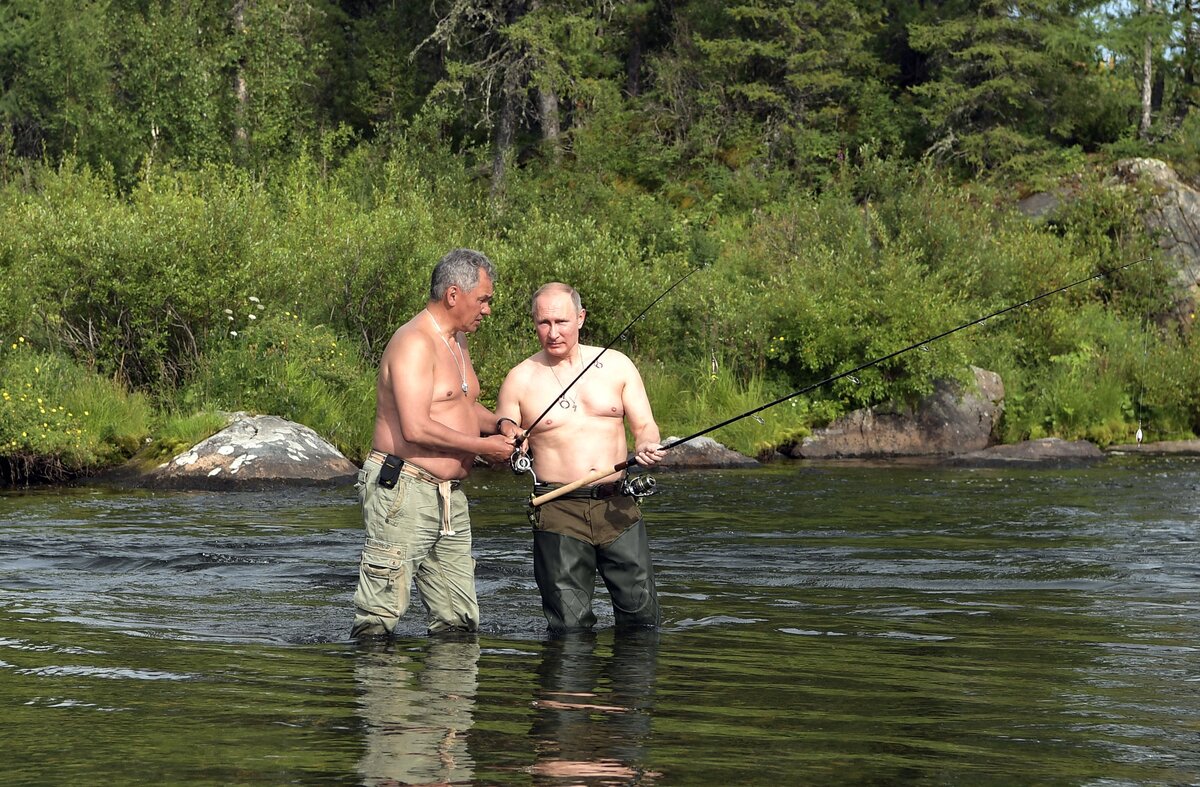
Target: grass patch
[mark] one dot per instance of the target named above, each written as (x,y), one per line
(59,419)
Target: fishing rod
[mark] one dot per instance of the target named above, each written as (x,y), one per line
(631,460)
(520,464)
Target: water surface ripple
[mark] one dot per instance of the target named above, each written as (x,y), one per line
(823,624)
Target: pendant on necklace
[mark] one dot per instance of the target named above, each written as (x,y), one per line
(563,403)
(464,388)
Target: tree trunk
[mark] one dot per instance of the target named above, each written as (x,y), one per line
(548,116)
(241,93)
(1191,59)
(506,131)
(1147,78)
(633,62)
(548,113)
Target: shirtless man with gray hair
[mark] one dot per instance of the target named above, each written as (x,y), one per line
(429,427)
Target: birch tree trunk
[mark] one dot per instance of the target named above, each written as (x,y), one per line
(1147,77)
(241,93)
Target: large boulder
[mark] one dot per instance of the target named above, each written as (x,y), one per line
(1053,451)
(948,421)
(1174,216)
(703,452)
(255,451)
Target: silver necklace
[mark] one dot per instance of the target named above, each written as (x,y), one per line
(460,363)
(566,401)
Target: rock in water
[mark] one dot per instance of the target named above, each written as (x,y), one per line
(256,451)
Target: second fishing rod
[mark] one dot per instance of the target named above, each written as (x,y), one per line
(558,492)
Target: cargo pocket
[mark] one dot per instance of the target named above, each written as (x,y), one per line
(392,500)
(383,579)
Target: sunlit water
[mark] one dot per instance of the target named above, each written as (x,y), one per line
(822,625)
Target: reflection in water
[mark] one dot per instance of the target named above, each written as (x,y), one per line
(594,710)
(417,715)
(824,625)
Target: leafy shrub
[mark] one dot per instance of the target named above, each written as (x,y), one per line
(59,419)
(276,363)
(691,397)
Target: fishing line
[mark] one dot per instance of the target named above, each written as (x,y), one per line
(536,501)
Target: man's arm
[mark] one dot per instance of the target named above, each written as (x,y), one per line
(508,404)
(411,372)
(495,423)
(639,415)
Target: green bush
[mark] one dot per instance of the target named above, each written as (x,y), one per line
(59,419)
(145,287)
(274,362)
(691,397)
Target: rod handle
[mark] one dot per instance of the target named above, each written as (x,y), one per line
(587,479)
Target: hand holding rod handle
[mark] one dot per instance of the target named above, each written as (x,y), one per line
(587,479)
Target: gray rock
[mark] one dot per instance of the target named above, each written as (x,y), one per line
(255,451)
(1159,448)
(1041,205)
(1174,217)
(703,452)
(949,421)
(1035,453)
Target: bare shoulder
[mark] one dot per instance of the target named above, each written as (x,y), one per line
(408,343)
(520,374)
(618,362)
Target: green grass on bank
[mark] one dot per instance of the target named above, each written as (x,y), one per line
(59,419)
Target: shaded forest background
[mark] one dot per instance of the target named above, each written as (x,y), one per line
(220,205)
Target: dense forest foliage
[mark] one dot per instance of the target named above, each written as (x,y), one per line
(230,204)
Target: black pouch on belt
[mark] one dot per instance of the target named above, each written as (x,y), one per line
(390,472)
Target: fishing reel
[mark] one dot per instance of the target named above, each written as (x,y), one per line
(522,463)
(639,486)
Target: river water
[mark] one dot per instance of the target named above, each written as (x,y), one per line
(823,624)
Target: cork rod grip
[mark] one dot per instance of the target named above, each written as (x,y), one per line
(587,479)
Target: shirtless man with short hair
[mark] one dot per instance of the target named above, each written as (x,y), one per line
(595,528)
(429,428)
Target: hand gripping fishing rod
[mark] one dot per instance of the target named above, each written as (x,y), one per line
(520,462)
(631,460)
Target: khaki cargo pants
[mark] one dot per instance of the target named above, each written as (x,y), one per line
(404,543)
